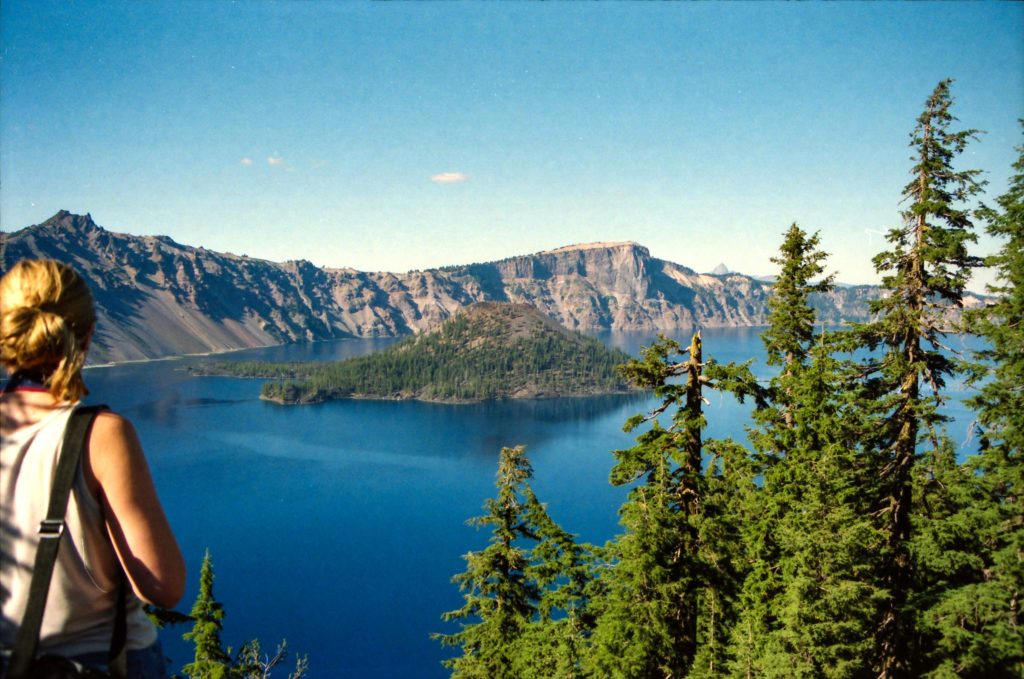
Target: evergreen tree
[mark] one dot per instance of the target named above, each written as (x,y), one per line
(730,487)
(821,617)
(557,641)
(1000,405)
(211,660)
(512,591)
(790,333)
(666,592)
(805,607)
(925,275)
(966,581)
(787,339)
(1001,400)
(975,523)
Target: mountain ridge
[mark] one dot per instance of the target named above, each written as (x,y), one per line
(156,297)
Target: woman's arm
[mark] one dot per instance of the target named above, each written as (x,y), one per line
(115,466)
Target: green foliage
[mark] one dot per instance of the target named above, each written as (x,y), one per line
(790,330)
(966,580)
(163,618)
(807,601)
(827,598)
(972,612)
(667,593)
(212,660)
(492,351)
(850,542)
(925,274)
(514,593)
(1000,400)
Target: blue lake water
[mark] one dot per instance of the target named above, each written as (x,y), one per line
(338,526)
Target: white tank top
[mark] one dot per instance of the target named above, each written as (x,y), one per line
(80,608)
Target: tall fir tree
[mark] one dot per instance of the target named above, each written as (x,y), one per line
(557,641)
(787,339)
(530,568)
(498,592)
(791,318)
(211,660)
(1000,406)
(1001,399)
(671,583)
(805,610)
(826,603)
(924,275)
(974,529)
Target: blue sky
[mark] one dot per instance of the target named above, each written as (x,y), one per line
(411,135)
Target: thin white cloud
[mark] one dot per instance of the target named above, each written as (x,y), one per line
(246,161)
(449,178)
(275,161)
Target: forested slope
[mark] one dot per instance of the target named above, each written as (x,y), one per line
(487,351)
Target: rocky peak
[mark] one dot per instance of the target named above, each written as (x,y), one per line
(721,270)
(66,221)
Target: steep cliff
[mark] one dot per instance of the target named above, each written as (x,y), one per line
(156,297)
(619,286)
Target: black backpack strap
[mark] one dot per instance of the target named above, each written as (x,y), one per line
(117,658)
(50,531)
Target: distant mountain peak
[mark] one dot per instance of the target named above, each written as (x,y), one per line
(72,222)
(721,269)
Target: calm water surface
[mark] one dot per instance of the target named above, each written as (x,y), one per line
(338,526)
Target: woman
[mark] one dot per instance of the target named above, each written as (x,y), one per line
(114,520)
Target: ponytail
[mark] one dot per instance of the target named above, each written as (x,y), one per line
(46,315)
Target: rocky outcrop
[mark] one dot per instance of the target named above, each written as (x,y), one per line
(619,286)
(156,297)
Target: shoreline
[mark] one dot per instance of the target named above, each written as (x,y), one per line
(449,401)
(177,357)
(589,332)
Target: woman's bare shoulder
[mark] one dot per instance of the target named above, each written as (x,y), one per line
(114,448)
(111,427)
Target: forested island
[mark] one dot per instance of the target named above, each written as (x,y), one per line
(488,351)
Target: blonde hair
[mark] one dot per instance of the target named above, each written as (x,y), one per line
(46,315)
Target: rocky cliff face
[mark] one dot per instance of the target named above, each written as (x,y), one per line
(157,298)
(619,286)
